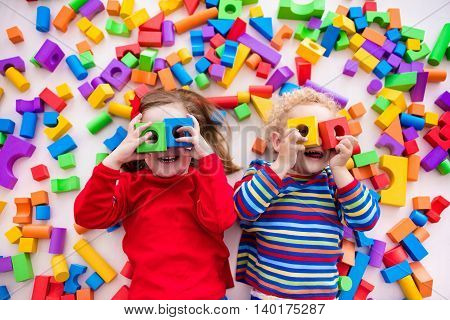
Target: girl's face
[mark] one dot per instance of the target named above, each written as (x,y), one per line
(174,161)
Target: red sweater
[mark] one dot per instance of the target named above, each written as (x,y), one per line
(174,227)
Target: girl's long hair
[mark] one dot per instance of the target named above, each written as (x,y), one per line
(202,110)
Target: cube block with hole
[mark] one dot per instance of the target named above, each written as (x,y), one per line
(172,125)
(308,128)
(330,129)
(157,142)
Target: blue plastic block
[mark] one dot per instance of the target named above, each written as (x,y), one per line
(397,272)
(211,3)
(63,145)
(71,285)
(202,65)
(418,218)
(362,240)
(4,294)
(43,212)
(198,48)
(28,127)
(375,195)
(229,53)
(181,74)
(114,227)
(42,19)
(400,49)
(172,124)
(394,35)
(329,39)
(263,25)
(94,281)
(288,87)
(76,67)
(382,69)
(7,126)
(113,142)
(355,12)
(360,24)
(221,26)
(409,120)
(50,119)
(356,273)
(414,247)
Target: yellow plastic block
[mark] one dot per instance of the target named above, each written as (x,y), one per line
(95,34)
(17,79)
(99,95)
(186,87)
(262,106)
(84,24)
(126,9)
(413,44)
(60,268)
(95,260)
(28,245)
(344,113)
(13,235)
(345,24)
(120,110)
(2,206)
(256,12)
(243,97)
(239,60)
(356,41)
(397,169)
(1,92)
(169,6)
(59,130)
(64,91)
(129,95)
(431,119)
(394,96)
(350,164)
(367,62)
(310,50)
(136,19)
(185,55)
(385,119)
(409,288)
(308,128)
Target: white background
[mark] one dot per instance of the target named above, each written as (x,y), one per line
(428,15)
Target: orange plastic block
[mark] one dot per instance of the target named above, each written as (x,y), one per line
(374,36)
(284,33)
(357,110)
(348,249)
(141,76)
(397,169)
(422,278)
(416,109)
(63,18)
(14,34)
(366,172)
(37,231)
(167,79)
(329,129)
(395,131)
(436,75)
(39,197)
(84,46)
(343,10)
(355,128)
(79,229)
(413,167)
(259,146)
(394,18)
(113,8)
(85,294)
(24,211)
(421,233)
(172,59)
(195,20)
(398,232)
(421,203)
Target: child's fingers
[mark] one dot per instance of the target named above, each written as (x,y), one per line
(351,138)
(133,122)
(187,129)
(300,147)
(142,128)
(145,137)
(194,119)
(185,139)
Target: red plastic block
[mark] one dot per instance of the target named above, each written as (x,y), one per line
(329,129)
(123,50)
(363,290)
(40,288)
(343,268)
(122,294)
(380,181)
(153,24)
(444,119)
(227,102)
(217,41)
(150,39)
(394,256)
(50,98)
(411,147)
(303,70)
(191,5)
(40,172)
(127,270)
(437,137)
(369,6)
(239,26)
(211,56)
(261,91)
(68,297)
(438,205)
(263,70)
(55,290)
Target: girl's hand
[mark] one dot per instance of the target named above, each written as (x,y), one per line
(200,148)
(288,152)
(343,151)
(125,152)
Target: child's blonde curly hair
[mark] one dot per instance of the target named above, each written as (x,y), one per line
(303,96)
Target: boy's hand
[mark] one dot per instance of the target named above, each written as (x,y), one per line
(201,148)
(343,151)
(290,146)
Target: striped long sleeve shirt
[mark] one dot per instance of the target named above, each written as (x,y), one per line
(292,229)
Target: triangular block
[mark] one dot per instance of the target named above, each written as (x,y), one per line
(395,131)
(191,5)
(222,26)
(262,106)
(153,24)
(263,26)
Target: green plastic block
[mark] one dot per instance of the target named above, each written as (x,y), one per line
(3,137)
(411,55)
(303,32)
(444,167)
(344,283)
(365,158)
(381,18)
(291,10)
(242,111)
(77,4)
(147,58)
(343,42)
(99,157)
(87,59)
(23,269)
(441,46)
(402,81)
(328,20)
(117,28)
(130,60)
(202,81)
(66,161)
(99,122)
(414,33)
(157,141)
(380,104)
(219,50)
(65,185)
(34,62)
(447,55)
(230,9)
(247,2)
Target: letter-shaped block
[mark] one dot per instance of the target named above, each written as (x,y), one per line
(308,128)
(397,169)
(285,32)
(329,129)
(100,95)
(63,145)
(356,273)
(396,272)
(72,285)
(157,141)
(172,125)
(113,142)
(65,185)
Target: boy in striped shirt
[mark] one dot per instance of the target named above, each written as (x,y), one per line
(292,211)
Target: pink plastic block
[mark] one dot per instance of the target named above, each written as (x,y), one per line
(116,74)
(350,68)
(49,55)
(279,77)
(376,253)
(374,86)
(16,62)
(433,159)
(393,145)
(417,93)
(168,33)
(443,101)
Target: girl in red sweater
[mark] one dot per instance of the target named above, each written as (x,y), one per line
(174,205)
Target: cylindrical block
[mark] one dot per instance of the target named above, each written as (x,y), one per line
(17,79)
(374,86)
(57,241)
(95,261)
(168,33)
(418,218)
(120,110)
(185,55)
(181,74)
(99,122)
(60,268)
(42,19)
(96,82)
(436,75)
(409,288)
(38,231)
(76,67)
(440,46)
(28,127)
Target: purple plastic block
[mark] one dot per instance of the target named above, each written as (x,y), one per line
(265,52)
(410,134)
(389,46)
(116,74)
(49,55)
(168,33)
(314,23)
(348,233)
(91,8)
(216,71)
(207,33)
(376,253)
(350,68)
(36,105)
(393,145)
(373,49)
(417,93)
(159,64)
(340,100)
(374,86)
(96,81)
(394,60)
(433,159)
(279,77)
(404,67)
(443,101)
(5,264)
(86,90)
(417,66)
(57,241)
(16,62)
(13,149)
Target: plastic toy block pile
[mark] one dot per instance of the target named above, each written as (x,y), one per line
(221,43)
